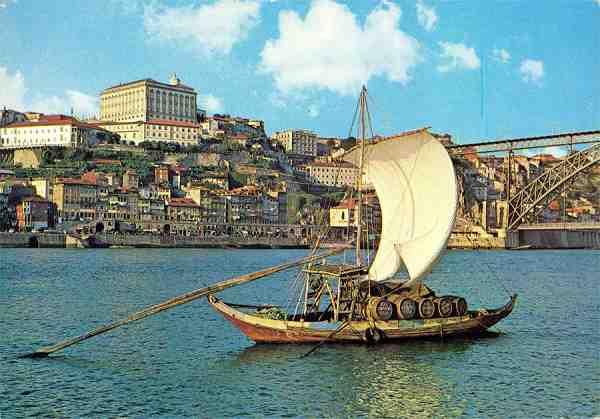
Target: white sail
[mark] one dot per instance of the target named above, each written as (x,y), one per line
(416,185)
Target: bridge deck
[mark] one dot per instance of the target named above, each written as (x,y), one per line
(569,138)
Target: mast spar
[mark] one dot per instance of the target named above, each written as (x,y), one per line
(362,112)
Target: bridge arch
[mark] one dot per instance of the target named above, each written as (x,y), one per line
(549,183)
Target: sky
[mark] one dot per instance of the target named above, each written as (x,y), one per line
(478,70)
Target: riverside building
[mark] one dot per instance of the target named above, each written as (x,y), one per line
(75,199)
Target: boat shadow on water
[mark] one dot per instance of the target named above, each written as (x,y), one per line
(274,352)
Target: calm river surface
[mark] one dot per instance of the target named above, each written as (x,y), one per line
(190,362)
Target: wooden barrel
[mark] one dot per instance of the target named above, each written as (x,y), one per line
(445,306)
(379,308)
(426,308)
(460,306)
(406,307)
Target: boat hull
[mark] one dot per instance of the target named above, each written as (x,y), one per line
(262,330)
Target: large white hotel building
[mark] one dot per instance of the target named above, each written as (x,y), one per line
(149,110)
(147,99)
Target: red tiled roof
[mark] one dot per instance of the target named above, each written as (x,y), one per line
(118,122)
(173,123)
(182,202)
(554,205)
(90,177)
(51,120)
(346,204)
(70,181)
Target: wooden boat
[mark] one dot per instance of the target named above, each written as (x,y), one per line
(414,179)
(261,329)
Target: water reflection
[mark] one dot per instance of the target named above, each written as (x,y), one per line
(397,380)
(389,380)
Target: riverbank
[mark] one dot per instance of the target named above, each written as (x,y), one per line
(517,240)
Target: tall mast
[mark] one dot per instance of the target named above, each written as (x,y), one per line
(362,110)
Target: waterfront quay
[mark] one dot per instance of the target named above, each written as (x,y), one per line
(534,236)
(213,236)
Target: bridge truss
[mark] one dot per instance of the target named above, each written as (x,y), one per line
(556,140)
(548,184)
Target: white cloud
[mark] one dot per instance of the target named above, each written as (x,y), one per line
(313,110)
(329,49)
(501,55)
(50,105)
(426,15)
(277,99)
(13,95)
(81,103)
(210,103)
(457,56)
(597,2)
(210,28)
(532,70)
(5,3)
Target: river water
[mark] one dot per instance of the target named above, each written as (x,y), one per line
(189,361)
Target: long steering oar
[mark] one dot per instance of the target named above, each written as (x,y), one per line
(173,302)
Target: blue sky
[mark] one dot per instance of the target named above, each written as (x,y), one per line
(300,64)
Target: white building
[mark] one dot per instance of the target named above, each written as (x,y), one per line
(297,141)
(156,130)
(332,173)
(49,131)
(143,100)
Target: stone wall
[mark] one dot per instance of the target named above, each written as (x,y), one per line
(460,241)
(152,240)
(32,240)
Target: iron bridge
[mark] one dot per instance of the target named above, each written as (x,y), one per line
(548,184)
